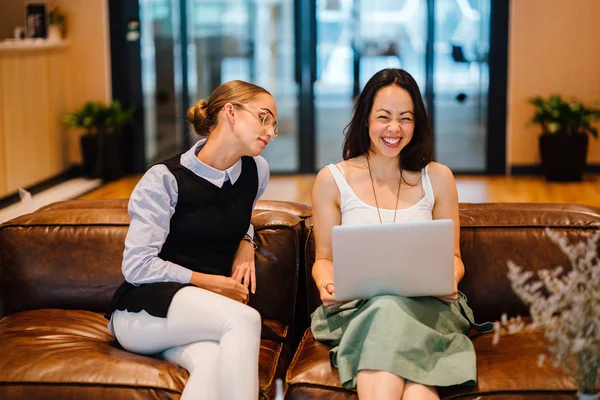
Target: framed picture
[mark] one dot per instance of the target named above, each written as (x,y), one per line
(36,15)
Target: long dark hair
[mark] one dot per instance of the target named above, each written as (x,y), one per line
(419,152)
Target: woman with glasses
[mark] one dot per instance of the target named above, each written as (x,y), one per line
(189,252)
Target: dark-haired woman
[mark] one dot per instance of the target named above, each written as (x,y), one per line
(390,347)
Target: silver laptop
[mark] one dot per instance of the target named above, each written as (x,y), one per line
(407,259)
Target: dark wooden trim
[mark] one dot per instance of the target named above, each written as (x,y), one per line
(430,67)
(305,33)
(185,142)
(497,95)
(126,75)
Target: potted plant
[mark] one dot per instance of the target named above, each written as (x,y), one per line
(103,144)
(564,139)
(57,24)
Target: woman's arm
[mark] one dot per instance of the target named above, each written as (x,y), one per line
(326,214)
(263,180)
(446,207)
(151,206)
(244,269)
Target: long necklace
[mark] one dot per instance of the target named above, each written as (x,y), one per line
(375,195)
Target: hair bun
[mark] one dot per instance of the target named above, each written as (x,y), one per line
(197,112)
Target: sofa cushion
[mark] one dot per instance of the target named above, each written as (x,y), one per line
(509,368)
(74,348)
(62,354)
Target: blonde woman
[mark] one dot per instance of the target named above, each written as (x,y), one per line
(189,252)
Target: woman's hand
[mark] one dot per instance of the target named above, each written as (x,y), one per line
(243,270)
(326,292)
(449,298)
(222,285)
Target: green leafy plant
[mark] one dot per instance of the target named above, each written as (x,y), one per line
(564,117)
(58,18)
(96,117)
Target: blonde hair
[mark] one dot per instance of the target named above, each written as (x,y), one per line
(204,115)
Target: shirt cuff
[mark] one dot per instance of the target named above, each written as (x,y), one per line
(179,274)
(251,231)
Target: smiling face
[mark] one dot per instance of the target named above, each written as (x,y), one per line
(392,121)
(255,123)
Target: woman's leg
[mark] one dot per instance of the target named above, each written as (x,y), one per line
(200,359)
(198,315)
(417,391)
(382,385)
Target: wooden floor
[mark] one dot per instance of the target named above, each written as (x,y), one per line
(471,189)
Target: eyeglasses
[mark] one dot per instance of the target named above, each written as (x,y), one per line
(265,117)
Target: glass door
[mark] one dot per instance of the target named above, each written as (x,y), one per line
(461,83)
(444,48)
(356,39)
(251,40)
(315,56)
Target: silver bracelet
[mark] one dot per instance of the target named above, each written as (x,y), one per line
(248,239)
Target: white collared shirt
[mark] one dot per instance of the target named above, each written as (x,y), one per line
(151,206)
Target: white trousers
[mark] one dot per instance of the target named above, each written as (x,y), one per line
(215,338)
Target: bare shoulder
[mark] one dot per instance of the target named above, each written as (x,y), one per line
(324,176)
(345,166)
(325,182)
(441,178)
(352,167)
(439,172)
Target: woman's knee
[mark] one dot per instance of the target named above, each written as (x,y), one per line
(386,301)
(241,316)
(249,318)
(414,390)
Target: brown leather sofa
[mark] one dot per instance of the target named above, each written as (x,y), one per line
(58,270)
(60,265)
(491,234)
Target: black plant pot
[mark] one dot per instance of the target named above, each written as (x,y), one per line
(89,153)
(103,155)
(563,156)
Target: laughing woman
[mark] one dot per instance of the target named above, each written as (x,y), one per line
(390,347)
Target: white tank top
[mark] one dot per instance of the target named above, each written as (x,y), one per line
(357,212)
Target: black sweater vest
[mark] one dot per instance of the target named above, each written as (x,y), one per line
(209,222)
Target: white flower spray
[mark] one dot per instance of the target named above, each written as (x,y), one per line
(567,306)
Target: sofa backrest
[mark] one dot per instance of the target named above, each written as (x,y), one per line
(491,235)
(68,255)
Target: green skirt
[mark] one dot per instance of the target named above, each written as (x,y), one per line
(421,339)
